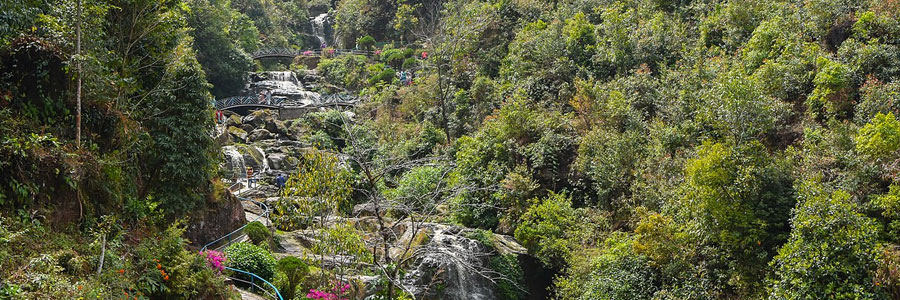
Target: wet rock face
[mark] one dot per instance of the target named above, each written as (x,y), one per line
(259,135)
(216,220)
(237,158)
(283,86)
(451,266)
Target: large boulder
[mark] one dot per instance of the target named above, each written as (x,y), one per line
(282,162)
(232,119)
(259,135)
(237,134)
(296,131)
(277,127)
(223,138)
(260,118)
(452,260)
(216,219)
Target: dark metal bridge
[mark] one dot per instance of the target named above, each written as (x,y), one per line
(246,103)
(291,53)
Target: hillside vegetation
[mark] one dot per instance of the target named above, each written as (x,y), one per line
(638,149)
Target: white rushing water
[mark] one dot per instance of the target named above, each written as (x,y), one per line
(286,84)
(265,160)
(318,27)
(235,161)
(457,259)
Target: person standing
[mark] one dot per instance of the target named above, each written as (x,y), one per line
(280,181)
(249,177)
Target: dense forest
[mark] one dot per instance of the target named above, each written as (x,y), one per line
(492,149)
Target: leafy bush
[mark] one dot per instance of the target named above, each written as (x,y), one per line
(395,59)
(512,287)
(832,251)
(830,98)
(877,98)
(293,270)
(348,71)
(366,42)
(251,258)
(258,232)
(614,273)
(742,200)
(167,270)
(380,74)
(410,63)
(546,229)
(880,138)
(418,188)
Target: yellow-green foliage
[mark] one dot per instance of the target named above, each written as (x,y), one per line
(319,187)
(880,138)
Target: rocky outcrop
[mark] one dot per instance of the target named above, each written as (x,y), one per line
(215,220)
(259,134)
(456,259)
(458,264)
(237,134)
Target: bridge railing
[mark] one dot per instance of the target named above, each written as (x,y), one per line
(248,100)
(287,52)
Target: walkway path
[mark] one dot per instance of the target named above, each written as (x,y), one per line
(247,295)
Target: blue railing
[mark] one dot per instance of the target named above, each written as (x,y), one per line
(253,277)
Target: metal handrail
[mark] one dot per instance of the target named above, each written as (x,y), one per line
(257,277)
(247,100)
(288,52)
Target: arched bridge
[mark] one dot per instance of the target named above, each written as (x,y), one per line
(248,101)
(244,104)
(291,53)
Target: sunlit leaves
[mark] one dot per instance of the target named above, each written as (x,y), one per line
(831,253)
(318,188)
(880,138)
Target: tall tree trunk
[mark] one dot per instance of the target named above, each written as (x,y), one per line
(79,72)
(102,254)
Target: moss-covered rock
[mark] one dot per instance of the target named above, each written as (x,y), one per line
(237,134)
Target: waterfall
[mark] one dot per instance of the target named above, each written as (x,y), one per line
(318,27)
(456,258)
(265,161)
(282,84)
(236,162)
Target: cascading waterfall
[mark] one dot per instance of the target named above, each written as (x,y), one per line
(236,160)
(458,257)
(318,27)
(283,84)
(265,161)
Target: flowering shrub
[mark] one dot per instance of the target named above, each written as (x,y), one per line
(251,258)
(338,292)
(215,259)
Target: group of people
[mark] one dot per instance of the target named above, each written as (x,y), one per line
(220,117)
(252,180)
(265,97)
(406,77)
